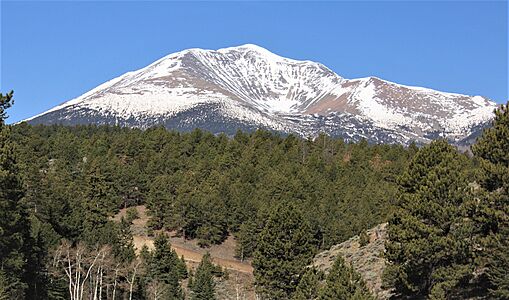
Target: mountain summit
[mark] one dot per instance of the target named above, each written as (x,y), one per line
(249,87)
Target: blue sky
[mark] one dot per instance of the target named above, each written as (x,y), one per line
(54,51)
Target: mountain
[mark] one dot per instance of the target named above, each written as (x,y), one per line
(248,87)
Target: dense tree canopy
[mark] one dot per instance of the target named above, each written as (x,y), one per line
(201,185)
(428,250)
(492,214)
(16,245)
(285,247)
(449,233)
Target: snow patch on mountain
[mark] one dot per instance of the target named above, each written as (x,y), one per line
(371,107)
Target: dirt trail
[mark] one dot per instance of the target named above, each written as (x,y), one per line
(222,255)
(192,255)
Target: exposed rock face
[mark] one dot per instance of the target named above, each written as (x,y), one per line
(367,260)
(248,87)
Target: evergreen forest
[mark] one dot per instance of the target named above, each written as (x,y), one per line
(282,198)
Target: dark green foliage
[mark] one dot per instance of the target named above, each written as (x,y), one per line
(57,289)
(6,101)
(93,210)
(492,214)
(285,247)
(145,255)
(182,268)
(161,201)
(203,286)
(131,215)
(343,282)
(6,286)
(246,239)
(428,247)
(202,186)
(16,245)
(165,267)
(497,262)
(309,285)
(123,246)
(363,238)
(492,147)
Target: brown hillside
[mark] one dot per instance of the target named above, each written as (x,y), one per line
(367,260)
(239,283)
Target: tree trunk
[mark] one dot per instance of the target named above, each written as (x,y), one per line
(115,283)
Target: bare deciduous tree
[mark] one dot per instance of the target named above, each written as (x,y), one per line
(87,270)
(156,290)
(131,276)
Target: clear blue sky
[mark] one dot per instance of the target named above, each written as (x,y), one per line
(54,51)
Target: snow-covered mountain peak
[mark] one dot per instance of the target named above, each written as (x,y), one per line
(249,48)
(251,85)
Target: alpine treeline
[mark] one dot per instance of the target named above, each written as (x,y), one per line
(283,198)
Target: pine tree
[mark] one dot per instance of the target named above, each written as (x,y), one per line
(203,286)
(284,249)
(343,282)
(309,285)
(123,246)
(492,148)
(246,240)
(93,210)
(428,247)
(164,267)
(161,202)
(182,267)
(15,240)
(5,286)
(213,227)
(363,238)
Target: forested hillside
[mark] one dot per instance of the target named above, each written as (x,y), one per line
(283,199)
(203,185)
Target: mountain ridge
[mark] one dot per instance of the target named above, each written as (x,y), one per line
(250,87)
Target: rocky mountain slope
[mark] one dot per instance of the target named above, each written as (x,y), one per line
(248,87)
(367,260)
